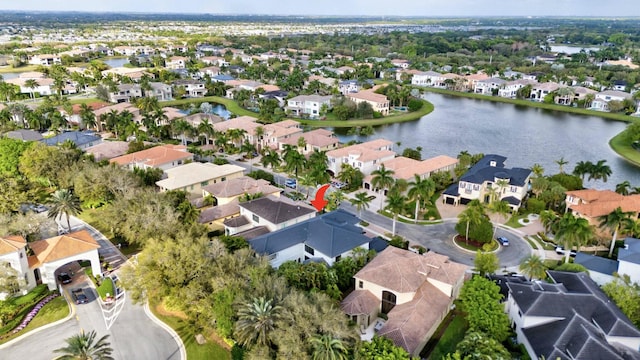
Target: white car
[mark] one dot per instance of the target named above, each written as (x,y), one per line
(561,251)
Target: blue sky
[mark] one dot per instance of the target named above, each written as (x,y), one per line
(424,8)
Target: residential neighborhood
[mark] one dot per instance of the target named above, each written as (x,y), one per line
(204,186)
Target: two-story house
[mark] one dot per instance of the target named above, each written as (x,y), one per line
(193,88)
(592,203)
(414,291)
(488,86)
(315,140)
(489,180)
(570,319)
(192,177)
(540,90)
(510,88)
(310,105)
(378,102)
(45,59)
(406,168)
(269,214)
(162,157)
(365,157)
(326,238)
(602,99)
(428,78)
(176,62)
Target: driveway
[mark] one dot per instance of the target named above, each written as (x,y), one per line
(438,238)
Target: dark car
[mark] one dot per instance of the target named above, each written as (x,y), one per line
(64,278)
(503,241)
(79,296)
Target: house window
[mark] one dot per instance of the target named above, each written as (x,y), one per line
(388,301)
(514,189)
(309,250)
(273,256)
(360,284)
(519,313)
(476,187)
(256,219)
(204,183)
(21,255)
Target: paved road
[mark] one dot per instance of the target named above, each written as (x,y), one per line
(438,237)
(132,336)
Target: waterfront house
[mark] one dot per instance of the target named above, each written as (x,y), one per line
(365,156)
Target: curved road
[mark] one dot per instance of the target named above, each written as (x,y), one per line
(438,238)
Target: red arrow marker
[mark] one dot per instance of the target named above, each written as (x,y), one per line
(319,202)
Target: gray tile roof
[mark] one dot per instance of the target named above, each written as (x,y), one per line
(24,135)
(597,263)
(631,251)
(79,138)
(331,234)
(580,317)
(483,171)
(275,211)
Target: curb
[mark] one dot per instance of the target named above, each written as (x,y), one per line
(453,239)
(167,328)
(72,313)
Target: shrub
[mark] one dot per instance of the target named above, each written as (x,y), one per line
(535,205)
(261,174)
(414,104)
(220,161)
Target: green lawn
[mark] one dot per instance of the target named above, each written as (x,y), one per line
(54,310)
(11,69)
(187,333)
(513,221)
(427,108)
(533,245)
(85,101)
(446,341)
(106,287)
(464,245)
(622,146)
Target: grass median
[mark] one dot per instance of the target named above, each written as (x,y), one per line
(622,146)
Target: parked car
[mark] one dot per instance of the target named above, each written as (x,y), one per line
(561,251)
(503,241)
(290,183)
(39,208)
(338,184)
(64,278)
(79,296)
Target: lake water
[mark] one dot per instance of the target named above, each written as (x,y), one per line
(217,109)
(115,62)
(524,135)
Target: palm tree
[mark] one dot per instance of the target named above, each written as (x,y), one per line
(206,129)
(537,170)
(294,161)
(421,191)
(471,215)
(31,84)
(583,168)
(501,208)
(361,201)
(632,228)
(270,158)
(600,171)
(84,347)
(249,149)
(326,347)
(533,266)
(87,116)
(549,220)
(236,136)
(256,321)
(613,221)
(64,202)
(395,204)
(381,180)
(572,231)
(258,133)
(181,127)
(623,188)
(561,163)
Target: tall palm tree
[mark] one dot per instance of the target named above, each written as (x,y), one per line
(31,84)
(382,179)
(294,161)
(537,170)
(533,266)
(395,204)
(270,158)
(249,149)
(258,133)
(326,347)
(471,215)
(205,128)
(573,231)
(614,221)
(421,190)
(64,202)
(256,322)
(632,228)
(600,171)
(623,188)
(87,116)
(583,168)
(361,201)
(549,220)
(181,127)
(501,208)
(561,163)
(85,347)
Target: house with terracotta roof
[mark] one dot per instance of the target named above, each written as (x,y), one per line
(414,291)
(592,203)
(406,168)
(48,256)
(378,102)
(162,157)
(107,150)
(488,180)
(226,195)
(365,156)
(315,140)
(276,133)
(192,177)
